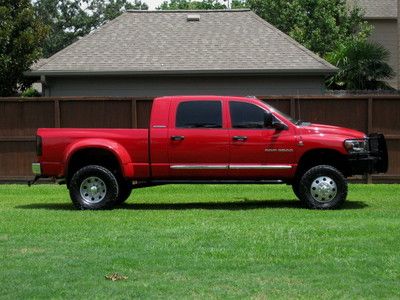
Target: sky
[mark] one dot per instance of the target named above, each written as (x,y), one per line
(153,3)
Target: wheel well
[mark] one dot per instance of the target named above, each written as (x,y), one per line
(322,157)
(92,156)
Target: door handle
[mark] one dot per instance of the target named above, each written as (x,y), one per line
(240,138)
(177,137)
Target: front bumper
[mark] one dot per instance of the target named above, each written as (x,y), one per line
(375,161)
(36,169)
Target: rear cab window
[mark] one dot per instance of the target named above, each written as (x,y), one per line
(199,114)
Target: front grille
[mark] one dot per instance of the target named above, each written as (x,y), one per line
(373,144)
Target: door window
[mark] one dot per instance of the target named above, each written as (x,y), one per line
(199,114)
(246,115)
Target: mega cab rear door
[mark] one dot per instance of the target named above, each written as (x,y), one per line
(198,139)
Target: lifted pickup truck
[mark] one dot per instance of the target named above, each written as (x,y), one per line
(209,139)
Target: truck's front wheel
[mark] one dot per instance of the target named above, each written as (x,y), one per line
(93,187)
(323,187)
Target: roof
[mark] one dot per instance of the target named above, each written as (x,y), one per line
(164,42)
(40,62)
(204,97)
(377,9)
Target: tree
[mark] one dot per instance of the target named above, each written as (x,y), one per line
(334,31)
(188,4)
(239,4)
(70,19)
(319,25)
(362,66)
(21,34)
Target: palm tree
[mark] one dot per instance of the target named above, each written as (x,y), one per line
(362,66)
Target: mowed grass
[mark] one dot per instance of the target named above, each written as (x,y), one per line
(200,241)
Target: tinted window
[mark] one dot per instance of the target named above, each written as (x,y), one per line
(199,114)
(246,115)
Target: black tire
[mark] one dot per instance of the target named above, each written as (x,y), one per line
(323,187)
(93,187)
(125,190)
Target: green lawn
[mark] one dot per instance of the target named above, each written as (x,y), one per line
(200,241)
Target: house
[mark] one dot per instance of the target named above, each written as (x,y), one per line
(382,15)
(152,53)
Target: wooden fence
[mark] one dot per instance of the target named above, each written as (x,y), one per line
(20,118)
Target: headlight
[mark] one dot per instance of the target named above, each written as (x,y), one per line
(356,146)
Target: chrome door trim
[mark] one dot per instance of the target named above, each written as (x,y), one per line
(231,167)
(199,167)
(260,167)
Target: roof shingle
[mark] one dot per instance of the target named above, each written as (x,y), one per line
(379,9)
(165,42)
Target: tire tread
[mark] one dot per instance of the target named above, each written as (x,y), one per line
(112,188)
(323,170)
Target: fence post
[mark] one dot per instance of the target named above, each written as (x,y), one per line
(134,114)
(293,107)
(57,117)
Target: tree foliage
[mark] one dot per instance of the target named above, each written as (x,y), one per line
(319,25)
(362,66)
(30,92)
(70,19)
(236,4)
(188,4)
(21,34)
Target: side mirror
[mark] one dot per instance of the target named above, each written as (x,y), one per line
(268,120)
(279,126)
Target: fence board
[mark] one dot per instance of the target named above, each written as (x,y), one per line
(20,118)
(95,114)
(143,113)
(16,158)
(386,116)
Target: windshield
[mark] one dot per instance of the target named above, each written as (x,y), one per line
(293,120)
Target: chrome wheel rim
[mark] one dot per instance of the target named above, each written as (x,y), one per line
(93,190)
(323,189)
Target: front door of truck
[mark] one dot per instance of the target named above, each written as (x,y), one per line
(198,140)
(257,151)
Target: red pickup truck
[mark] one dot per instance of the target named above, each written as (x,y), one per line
(209,139)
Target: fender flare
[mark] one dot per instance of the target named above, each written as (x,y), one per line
(115,148)
(309,152)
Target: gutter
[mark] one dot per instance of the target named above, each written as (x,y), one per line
(182,72)
(379,18)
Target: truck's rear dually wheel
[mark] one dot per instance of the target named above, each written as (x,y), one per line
(125,190)
(93,187)
(323,187)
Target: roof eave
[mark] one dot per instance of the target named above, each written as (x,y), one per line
(187,11)
(380,18)
(325,71)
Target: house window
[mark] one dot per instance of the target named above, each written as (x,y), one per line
(199,114)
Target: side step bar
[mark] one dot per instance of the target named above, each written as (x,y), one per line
(142,184)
